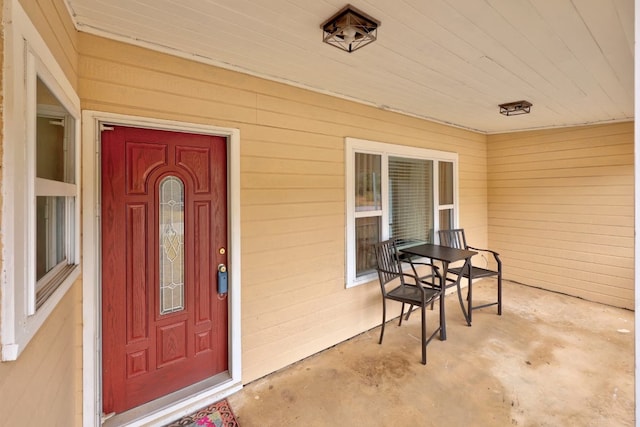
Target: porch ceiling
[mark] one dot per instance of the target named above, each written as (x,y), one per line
(451,61)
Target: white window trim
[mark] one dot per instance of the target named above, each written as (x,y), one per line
(17,326)
(353,145)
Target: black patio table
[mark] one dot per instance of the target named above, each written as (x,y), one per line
(446,255)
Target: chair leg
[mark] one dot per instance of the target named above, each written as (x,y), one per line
(470,298)
(402,314)
(500,294)
(411,307)
(424,335)
(384,319)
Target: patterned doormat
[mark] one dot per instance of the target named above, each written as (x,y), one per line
(217,415)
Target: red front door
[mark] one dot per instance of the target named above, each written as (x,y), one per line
(164,238)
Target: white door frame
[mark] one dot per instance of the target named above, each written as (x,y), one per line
(91,281)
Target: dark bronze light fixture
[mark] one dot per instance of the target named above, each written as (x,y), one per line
(350,29)
(515,108)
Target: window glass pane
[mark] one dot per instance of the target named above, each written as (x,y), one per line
(368,182)
(171,223)
(50,234)
(446,219)
(367,234)
(410,199)
(54,132)
(446,183)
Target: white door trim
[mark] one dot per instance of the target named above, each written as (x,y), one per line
(91,283)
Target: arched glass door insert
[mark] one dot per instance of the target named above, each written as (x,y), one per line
(171,229)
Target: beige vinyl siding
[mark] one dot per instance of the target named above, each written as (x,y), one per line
(54,24)
(44,386)
(294,301)
(561,210)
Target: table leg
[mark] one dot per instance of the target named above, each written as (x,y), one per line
(443,287)
(470,291)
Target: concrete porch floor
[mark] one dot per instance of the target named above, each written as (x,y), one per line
(549,360)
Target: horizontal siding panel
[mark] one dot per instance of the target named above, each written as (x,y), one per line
(278,181)
(270,196)
(329,224)
(577,237)
(252,213)
(124,74)
(578,133)
(55,26)
(402,124)
(611,296)
(561,209)
(574,182)
(614,286)
(623,151)
(120,53)
(586,172)
(517,223)
(306,286)
(267,242)
(292,240)
(568,255)
(557,146)
(291,166)
(551,201)
(160,100)
(567,209)
(265,134)
(297,258)
(47,368)
(268,150)
(567,163)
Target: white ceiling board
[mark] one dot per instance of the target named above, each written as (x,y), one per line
(452,61)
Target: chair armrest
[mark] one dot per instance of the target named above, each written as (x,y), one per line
(434,268)
(495,254)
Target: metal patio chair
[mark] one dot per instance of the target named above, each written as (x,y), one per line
(405,288)
(455,238)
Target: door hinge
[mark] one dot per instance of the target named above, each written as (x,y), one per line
(57,122)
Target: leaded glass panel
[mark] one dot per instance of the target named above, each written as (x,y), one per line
(171,245)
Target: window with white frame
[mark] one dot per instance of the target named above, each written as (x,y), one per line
(55,194)
(40,176)
(394,191)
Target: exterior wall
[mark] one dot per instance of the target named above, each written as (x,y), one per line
(561,210)
(44,386)
(52,20)
(294,301)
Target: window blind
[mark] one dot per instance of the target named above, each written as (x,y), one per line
(410,199)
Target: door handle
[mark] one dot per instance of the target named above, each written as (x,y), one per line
(222,279)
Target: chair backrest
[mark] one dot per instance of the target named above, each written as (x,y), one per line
(453,238)
(388,262)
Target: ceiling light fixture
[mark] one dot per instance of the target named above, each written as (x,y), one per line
(350,29)
(515,108)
